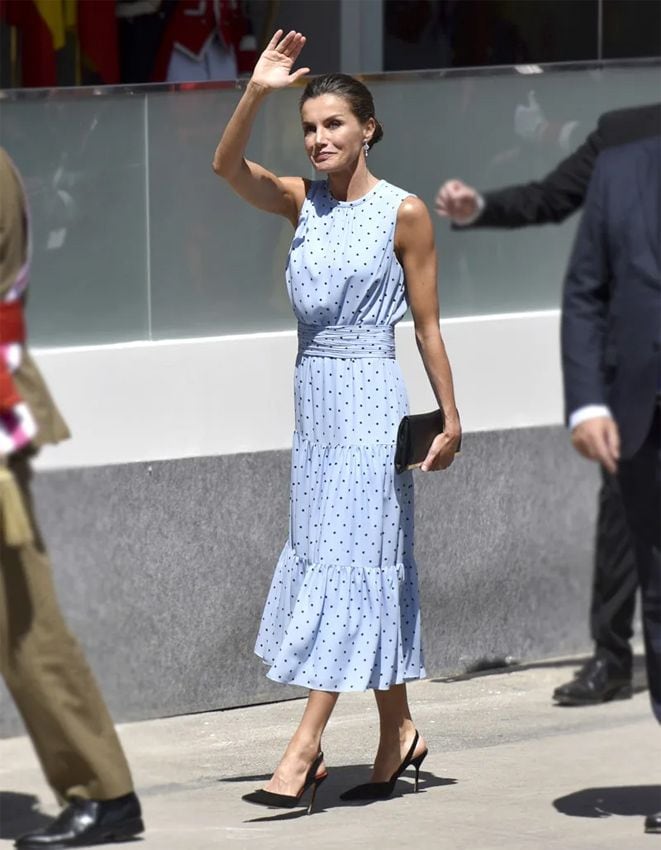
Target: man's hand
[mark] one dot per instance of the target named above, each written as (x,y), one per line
(457,201)
(598,439)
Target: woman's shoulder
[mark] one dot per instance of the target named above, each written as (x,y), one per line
(396,192)
(406,205)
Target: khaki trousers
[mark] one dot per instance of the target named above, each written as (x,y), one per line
(47,674)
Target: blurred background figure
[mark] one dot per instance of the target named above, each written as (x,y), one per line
(69,42)
(41,662)
(205,40)
(607,675)
(140,31)
(611,359)
(89,42)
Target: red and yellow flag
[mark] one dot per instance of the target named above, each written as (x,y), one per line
(42,25)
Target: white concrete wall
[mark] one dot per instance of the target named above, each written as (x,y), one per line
(204,397)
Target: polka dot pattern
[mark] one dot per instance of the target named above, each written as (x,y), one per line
(342,268)
(342,612)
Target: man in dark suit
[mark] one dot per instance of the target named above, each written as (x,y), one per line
(611,359)
(607,675)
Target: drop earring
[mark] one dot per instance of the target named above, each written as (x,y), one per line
(366,149)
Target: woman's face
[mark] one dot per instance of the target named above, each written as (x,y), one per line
(333,136)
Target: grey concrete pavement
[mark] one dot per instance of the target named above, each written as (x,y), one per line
(506,770)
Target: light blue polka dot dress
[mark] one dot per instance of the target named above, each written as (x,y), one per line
(342,613)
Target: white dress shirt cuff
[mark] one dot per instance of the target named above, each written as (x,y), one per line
(478,212)
(589,411)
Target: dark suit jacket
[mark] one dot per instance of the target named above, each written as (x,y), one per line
(611,315)
(562,192)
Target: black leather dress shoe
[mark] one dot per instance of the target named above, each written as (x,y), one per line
(594,683)
(86,823)
(653,823)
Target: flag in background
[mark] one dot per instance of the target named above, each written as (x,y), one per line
(97,37)
(43,25)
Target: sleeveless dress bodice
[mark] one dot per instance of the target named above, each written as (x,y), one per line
(342,268)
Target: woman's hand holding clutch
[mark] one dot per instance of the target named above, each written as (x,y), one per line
(443,450)
(427,441)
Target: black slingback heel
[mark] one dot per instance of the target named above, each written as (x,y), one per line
(289,801)
(383,790)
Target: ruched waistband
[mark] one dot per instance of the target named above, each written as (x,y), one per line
(346,341)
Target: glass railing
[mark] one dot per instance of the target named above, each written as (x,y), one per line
(137,239)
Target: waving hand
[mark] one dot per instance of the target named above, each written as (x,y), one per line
(274,67)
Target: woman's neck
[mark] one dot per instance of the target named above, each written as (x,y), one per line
(352,185)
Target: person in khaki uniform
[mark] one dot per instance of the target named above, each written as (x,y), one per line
(40,660)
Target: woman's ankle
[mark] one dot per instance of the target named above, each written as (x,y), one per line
(305,746)
(402,731)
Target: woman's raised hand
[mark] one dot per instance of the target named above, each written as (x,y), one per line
(274,67)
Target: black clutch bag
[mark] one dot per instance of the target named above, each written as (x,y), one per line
(414,437)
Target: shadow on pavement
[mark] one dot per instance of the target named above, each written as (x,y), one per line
(499,666)
(19,813)
(603,802)
(339,779)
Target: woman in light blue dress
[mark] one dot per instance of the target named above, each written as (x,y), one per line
(342,613)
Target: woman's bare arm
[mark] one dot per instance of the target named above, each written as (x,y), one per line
(414,244)
(256,184)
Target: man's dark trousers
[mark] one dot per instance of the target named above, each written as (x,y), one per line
(615,581)
(640,482)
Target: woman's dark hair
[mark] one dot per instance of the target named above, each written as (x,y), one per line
(352,90)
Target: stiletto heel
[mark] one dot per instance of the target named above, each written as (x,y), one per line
(316,785)
(288,801)
(417,762)
(383,790)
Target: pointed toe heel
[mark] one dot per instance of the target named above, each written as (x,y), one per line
(289,801)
